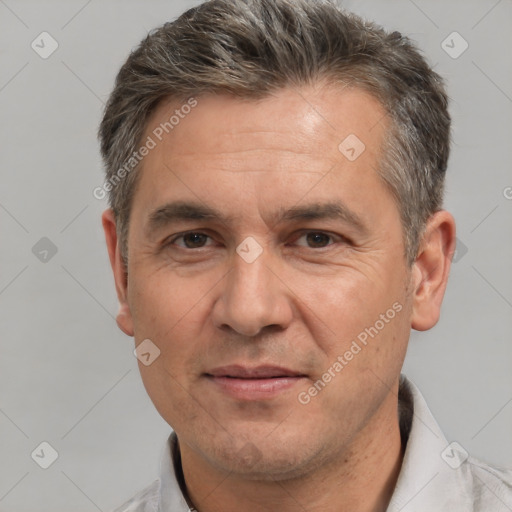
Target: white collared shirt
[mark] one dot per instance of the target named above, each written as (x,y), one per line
(435,476)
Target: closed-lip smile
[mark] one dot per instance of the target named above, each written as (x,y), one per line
(254,383)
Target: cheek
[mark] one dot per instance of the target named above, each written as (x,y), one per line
(337,309)
(171,313)
(163,301)
(359,368)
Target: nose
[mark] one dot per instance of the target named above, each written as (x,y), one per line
(253,298)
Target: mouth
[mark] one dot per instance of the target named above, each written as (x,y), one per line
(257,383)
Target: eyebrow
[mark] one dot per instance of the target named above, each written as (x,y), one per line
(177,211)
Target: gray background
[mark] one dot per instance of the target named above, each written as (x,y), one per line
(68,375)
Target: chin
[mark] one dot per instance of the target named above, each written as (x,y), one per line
(268,459)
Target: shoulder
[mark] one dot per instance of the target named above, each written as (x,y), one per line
(144,501)
(491,486)
(444,476)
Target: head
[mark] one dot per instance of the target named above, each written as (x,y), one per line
(275,172)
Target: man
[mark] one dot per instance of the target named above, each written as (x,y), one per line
(275,171)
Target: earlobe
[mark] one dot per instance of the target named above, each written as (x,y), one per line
(431,270)
(124,317)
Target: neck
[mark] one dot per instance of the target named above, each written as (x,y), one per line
(359,478)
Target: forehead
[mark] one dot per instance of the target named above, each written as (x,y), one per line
(303,120)
(293,143)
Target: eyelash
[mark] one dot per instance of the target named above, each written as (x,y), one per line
(304,233)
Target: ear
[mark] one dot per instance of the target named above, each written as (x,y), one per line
(124,316)
(431,270)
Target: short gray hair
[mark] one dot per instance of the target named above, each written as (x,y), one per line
(249,48)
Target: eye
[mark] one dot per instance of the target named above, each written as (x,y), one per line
(311,239)
(316,239)
(190,240)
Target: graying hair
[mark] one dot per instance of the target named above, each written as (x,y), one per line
(249,48)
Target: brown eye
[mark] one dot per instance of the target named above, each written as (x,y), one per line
(316,240)
(191,240)
(320,240)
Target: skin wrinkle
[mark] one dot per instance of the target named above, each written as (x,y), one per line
(294,306)
(183,213)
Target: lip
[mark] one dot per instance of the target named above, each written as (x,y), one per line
(257,383)
(258,372)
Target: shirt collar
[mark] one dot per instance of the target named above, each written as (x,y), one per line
(432,476)
(425,481)
(172,485)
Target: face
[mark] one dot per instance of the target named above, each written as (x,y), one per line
(266,263)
